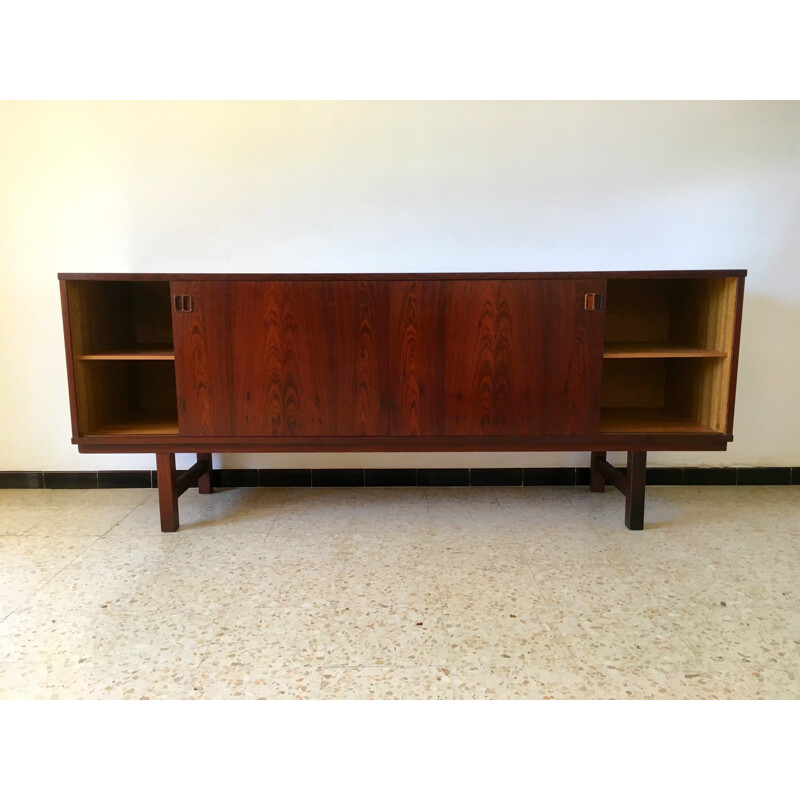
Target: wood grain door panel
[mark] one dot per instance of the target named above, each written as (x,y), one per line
(494,357)
(290,358)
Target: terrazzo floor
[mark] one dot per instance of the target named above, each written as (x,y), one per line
(503,593)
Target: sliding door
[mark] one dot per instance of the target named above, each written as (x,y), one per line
(281,358)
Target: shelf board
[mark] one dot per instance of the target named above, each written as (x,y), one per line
(139,352)
(657,350)
(142,424)
(648,420)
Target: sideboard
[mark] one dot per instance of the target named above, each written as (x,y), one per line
(594,361)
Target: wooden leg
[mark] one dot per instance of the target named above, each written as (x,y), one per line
(631,484)
(204,483)
(597,481)
(634,490)
(167,491)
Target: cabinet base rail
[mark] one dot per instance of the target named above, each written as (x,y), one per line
(631,483)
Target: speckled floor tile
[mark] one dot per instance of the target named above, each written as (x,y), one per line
(400,636)
(266,651)
(111,498)
(46,653)
(520,683)
(259,682)
(514,592)
(628,639)
(386,683)
(85,520)
(242,511)
(497,637)
(26,564)
(255,635)
(144,517)
(41,498)
(16,521)
(403,582)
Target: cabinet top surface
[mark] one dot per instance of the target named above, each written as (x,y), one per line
(397,276)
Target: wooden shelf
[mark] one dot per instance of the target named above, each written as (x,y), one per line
(141,424)
(648,420)
(154,352)
(657,350)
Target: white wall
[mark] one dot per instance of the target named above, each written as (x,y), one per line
(389,186)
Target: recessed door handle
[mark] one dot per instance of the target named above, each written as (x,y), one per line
(593,301)
(183,302)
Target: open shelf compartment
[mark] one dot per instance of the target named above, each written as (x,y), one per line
(123,357)
(667,355)
(126,397)
(120,320)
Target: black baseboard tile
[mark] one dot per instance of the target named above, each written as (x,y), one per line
(664,476)
(124,479)
(582,476)
(429,476)
(764,476)
(70,480)
(500,476)
(550,476)
(390,477)
(234,478)
(709,476)
(340,478)
(21,480)
(479,476)
(284,478)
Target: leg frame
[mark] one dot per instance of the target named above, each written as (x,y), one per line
(171,486)
(631,483)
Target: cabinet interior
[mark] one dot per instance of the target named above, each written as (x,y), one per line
(123,357)
(667,355)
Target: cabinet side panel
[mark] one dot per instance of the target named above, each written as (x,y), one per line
(69,350)
(737,332)
(715,307)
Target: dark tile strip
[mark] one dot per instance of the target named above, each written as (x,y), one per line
(442,477)
(124,479)
(284,477)
(496,477)
(764,476)
(479,476)
(232,478)
(337,477)
(21,480)
(709,476)
(551,476)
(70,480)
(665,476)
(390,477)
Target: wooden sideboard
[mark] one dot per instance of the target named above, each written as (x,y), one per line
(595,361)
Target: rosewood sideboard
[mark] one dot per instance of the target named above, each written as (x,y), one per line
(594,361)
